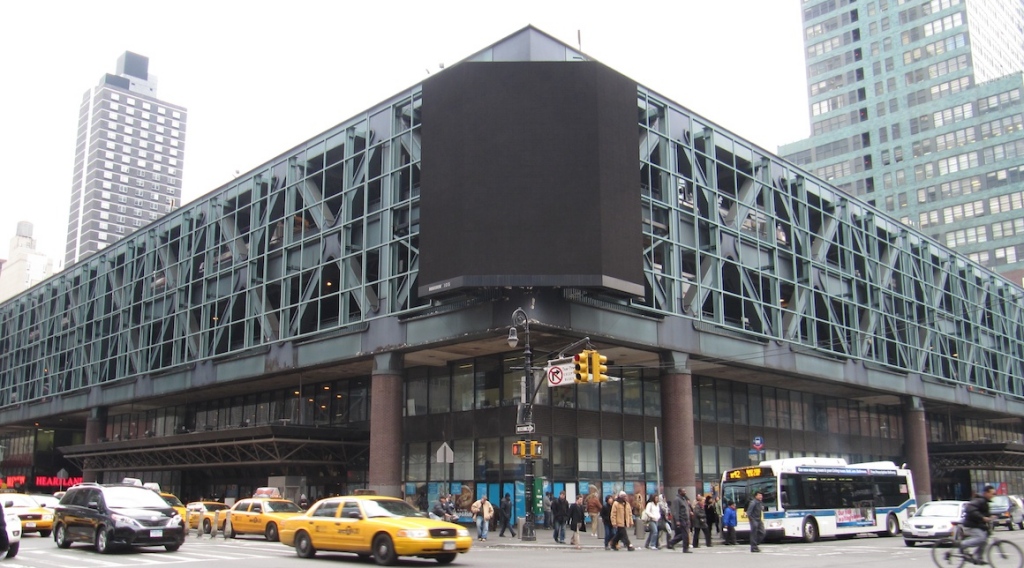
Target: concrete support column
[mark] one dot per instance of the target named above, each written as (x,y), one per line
(915,447)
(386,391)
(677,424)
(95,427)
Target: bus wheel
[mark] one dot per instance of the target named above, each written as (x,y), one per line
(892,526)
(810,530)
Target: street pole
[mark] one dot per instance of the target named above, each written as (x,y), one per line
(519,318)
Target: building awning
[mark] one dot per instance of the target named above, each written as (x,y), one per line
(251,446)
(977,455)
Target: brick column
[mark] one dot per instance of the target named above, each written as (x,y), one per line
(915,447)
(677,422)
(386,447)
(95,427)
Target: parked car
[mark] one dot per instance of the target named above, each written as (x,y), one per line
(371,525)
(13,532)
(260,516)
(201,513)
(34,517)
(111,516)
(1007,511)
(934,522)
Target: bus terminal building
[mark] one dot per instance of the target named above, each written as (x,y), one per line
(340,314)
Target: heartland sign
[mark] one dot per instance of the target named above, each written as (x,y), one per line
(47,481)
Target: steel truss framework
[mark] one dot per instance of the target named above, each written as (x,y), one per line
(976,456)
(263,447)
(326,236)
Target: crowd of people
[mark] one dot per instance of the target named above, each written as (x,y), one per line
(683,522)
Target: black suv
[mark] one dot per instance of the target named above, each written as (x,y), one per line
(108,516)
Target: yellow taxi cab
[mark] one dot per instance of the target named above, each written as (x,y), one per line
(203,512)
(34,517)
(372,525)
(174,503)
(259,515)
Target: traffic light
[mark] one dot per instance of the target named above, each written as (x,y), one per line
(598,366)
(582,360)
(519,449)
(535,448)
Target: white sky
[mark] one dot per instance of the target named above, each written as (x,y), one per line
(259,77)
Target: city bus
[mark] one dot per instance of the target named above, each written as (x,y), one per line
(808,498)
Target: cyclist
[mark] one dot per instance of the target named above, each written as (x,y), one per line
(976,523)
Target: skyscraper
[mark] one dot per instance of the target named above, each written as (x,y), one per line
(128,158)
(25,266)
(916,106)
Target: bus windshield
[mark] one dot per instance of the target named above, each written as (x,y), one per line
(742,491)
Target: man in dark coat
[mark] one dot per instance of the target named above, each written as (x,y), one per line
(560,515)
(755,514)
(681,518)
(505,514)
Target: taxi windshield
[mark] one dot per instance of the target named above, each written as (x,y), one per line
(389,508)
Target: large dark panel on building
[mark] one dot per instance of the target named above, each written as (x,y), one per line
(530,178)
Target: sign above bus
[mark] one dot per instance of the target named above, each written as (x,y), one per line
(748,473)
(843,470)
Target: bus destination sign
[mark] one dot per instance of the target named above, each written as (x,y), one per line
(747,473)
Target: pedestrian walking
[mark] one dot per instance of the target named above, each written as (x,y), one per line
(700,522)
(729,523)
(681,519)
(755,514)
(560,516)
(622,520)
(593,505)
(577,512)
(483,512)
(606,518)
(664,523)
(651,516)
(714,513)
(505,516)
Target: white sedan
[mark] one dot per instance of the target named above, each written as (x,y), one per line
(934,522)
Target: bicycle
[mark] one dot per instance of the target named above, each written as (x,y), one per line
(999,553)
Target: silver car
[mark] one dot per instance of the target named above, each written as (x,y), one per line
(1007,511)
(933,522)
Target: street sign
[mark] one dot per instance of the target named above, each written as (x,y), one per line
(445,454)
(528,428)
(758,443)
(559,372)
(754,454)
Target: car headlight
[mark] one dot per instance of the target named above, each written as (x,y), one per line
(47,517)
(414,533)
(123,520)
(174,521)
(774,524)
(462,532)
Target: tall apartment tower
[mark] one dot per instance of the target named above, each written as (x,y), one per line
(128,159)
(916,106)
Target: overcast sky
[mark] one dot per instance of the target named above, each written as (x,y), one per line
(259,77)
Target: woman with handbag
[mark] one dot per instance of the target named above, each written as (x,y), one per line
(650,517)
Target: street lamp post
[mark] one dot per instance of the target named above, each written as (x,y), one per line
(529,392)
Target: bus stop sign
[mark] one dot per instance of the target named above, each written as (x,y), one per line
(758,443)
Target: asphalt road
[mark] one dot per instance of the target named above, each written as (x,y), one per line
(254,552)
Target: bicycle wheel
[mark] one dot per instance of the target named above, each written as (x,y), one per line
(950,557)
(1004,554)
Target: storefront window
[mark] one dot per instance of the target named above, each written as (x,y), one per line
(611,396)
(416,392)
(464,457)
(611,458)
(417,459)
(564,458)
(632,393)
(634,462)
(440,391)
(462,391)
(487,379)
(590,464)
(652,396)
(488,459)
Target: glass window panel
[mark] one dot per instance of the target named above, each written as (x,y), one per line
(463,467)
(611,458)
(652,396)
(611,396)
(462,391)
(487,379)
(440,391)
(634,458)
(416,393)
(632,395)
(417,459)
